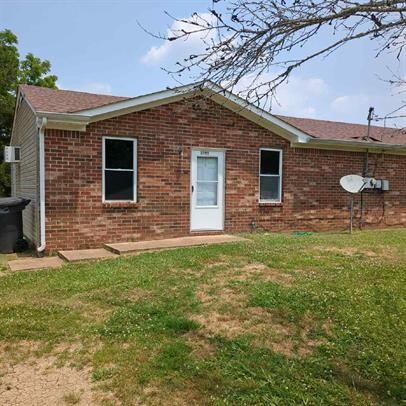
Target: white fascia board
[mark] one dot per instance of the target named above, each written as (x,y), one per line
(219,95)
(64,121)
(63,116)
(79,120)
(139,103)
(346,145)
(17,105)
(257,115)
(19,99)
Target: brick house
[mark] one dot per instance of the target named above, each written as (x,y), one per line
(102,169)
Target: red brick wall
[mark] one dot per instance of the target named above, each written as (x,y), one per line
(312,197)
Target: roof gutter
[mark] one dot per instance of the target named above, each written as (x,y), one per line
(64,121)
(346,145)
(41,124)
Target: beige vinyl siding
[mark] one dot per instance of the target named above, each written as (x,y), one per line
(24,175)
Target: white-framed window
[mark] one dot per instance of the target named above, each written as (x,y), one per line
(119,169)
(270,175)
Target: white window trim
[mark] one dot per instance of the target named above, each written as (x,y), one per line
(134,170)
(279,176)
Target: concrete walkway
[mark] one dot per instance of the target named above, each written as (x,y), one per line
(114,250)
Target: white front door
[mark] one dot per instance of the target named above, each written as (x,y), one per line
(207,190)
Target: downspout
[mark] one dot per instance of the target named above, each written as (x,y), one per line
(41,123)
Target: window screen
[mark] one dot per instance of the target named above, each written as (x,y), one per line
(119,169)
(270,176)
(207,181)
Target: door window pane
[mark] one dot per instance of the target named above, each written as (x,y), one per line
(270,162)
(207,193)
(207,168)
(269,187)
(119,185)
(119,154)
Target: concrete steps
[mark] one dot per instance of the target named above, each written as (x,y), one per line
(131,247)
(32,264)
(86,255)
(116,249)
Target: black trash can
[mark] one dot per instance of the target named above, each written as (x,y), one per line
(11,224)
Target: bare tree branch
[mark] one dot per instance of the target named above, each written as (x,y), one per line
(243,39)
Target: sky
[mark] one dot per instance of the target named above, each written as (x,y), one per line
(98,46)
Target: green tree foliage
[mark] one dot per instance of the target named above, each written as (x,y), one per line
(14,71)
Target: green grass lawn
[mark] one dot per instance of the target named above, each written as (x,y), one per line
(280,320)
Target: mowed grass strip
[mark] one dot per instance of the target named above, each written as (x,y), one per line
(281,319)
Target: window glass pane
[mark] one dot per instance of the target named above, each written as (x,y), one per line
(118,185)
(119,154)
(207,193)
(269,187)
(207,168)
(270,162)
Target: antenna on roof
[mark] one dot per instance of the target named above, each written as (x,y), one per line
(366,160)
(369,118)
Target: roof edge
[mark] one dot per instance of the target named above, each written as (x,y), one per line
(20,96)
(347,145)
(218,94)
(78,121)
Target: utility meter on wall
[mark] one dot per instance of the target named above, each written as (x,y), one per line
(12,154)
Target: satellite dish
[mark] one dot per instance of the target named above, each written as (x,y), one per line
(353,183)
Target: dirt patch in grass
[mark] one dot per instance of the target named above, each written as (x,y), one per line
(157,394)
(38,381)
(88,309)
(217,291)
(309,344)
(267,330)
(379,252)
(75,354)
(209,296)
(39,373)
(223,261)
(200,344)
(261,271)
(350,251)
(214,323)
(226,314)
(218,263)
(234,325)
(136,294)
(291,340)
(306,271)
(14,352)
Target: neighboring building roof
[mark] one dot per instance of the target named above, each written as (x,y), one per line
(95,105)
(335,130)
(65,101)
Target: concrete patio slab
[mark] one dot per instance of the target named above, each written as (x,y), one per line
(86,255)
(31,264)
(128,247)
